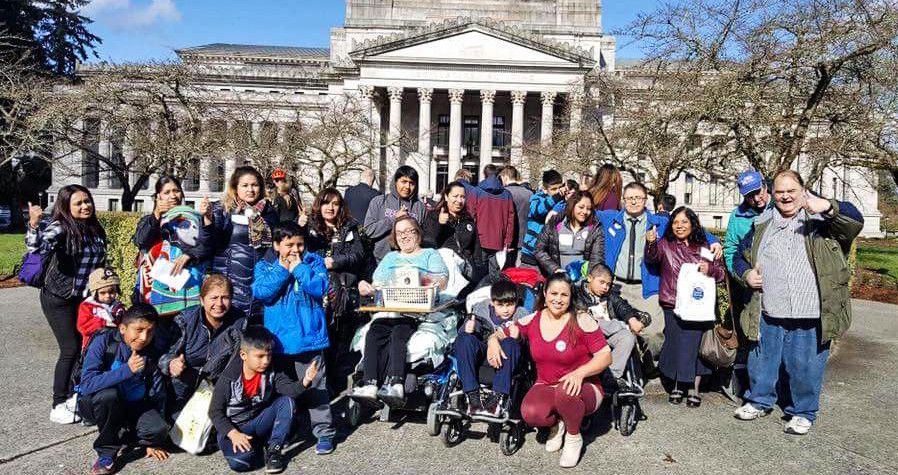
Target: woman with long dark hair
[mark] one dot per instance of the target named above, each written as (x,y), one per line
(242,234)
(572,236)
(569,353)
(167,195)
(679,360)
(72,245)
(449,225)
(335,236)
(606,188)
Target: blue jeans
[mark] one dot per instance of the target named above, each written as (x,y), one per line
(270,428)
(470,351)
(789,353)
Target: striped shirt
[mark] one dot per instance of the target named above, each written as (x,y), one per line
(47,240)
(789,283)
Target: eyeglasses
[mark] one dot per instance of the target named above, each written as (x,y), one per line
(410,232)
(635,199)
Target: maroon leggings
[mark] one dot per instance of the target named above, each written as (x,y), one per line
(543,404)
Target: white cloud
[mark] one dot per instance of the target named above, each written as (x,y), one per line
(124,14)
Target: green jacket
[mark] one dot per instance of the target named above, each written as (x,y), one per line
(828,242)
(738,227)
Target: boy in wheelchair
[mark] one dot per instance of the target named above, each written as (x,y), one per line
(620,323)
(489,317)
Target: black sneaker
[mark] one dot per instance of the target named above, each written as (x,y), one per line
(475,405)
(496,406)
(274,460)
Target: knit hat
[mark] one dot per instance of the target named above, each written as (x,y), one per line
(102,277)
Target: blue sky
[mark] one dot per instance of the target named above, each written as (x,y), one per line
(140,30)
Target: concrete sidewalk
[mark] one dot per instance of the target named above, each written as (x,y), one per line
(856,433)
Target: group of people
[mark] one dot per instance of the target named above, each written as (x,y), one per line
(267,312)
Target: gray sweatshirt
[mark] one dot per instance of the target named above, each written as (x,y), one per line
(380,217)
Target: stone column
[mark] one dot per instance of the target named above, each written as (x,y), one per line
(369,104)
(455,99)
(486,127)
(425,149)
(393,133)
(517,126)
(545,132)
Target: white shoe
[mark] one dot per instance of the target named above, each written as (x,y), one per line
(72,403)
(556,437)
(798,426)
(748,412)
(369,391)
(570,454)
(62,415)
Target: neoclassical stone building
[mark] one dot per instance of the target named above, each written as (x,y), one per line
(472,81)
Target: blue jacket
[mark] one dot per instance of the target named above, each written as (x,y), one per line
(294,311)
(615,226)
(97,375)
(540,205)
(189,336)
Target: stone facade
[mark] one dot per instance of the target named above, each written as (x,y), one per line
(471,81)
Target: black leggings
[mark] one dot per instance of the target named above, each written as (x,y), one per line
(386,348)
(62,314)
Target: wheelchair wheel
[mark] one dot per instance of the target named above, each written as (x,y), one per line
(627,422)
(452,434)
(433,420)
(355,413)
(511,440)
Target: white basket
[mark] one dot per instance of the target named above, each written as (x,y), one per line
(417,298)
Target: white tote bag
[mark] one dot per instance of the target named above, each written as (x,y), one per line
(696,295)
(193,425)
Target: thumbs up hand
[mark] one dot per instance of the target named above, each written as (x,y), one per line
(176,366)
(651,235)
(470,325)
(34,215)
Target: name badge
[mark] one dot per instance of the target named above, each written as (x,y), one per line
(348,236)
(560,346)
(707,254)
(565,240)
(612,232)
(240,219)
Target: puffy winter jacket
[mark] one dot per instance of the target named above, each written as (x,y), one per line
(669,257)
(236,258)
(197,342)
(294,312)
(381,215)
(549,257)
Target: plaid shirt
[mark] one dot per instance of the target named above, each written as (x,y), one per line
(47,240)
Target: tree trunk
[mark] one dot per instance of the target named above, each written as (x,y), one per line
(894,173)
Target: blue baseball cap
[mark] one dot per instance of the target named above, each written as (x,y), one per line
(750,181)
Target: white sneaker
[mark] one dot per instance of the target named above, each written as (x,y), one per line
(556,437)
(798,425)
(570,454)
(397,390)
(62,415)
(749,412)
(369,391)
(72,403)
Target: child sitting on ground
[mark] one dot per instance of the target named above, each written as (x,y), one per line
(291,283)
(620,323)
(102,308)
(253,405)
(122,388)
(487,318)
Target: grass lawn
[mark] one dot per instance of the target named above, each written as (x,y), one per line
(879,256)
(12,246)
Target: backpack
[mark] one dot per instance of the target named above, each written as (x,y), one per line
(108,355)
(180,230)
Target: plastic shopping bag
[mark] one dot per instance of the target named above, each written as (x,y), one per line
(696,295)
(193,425)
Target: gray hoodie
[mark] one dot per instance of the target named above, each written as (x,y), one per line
(380,217)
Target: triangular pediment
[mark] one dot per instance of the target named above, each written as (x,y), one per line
(471,42)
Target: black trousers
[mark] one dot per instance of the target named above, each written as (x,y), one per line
(386,347)
(62,315)
(112,414)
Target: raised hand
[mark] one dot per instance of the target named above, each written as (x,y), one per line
(311,372)
(303,218)
(814,204)
(652,234)
(444,216)
(35,213)
(470,325)
(176,366)
(136,362)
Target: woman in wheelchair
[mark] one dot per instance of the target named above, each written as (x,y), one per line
(569,354)
(489,318)
(386,341)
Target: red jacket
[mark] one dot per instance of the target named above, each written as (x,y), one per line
(668,256)
(493,210)
(93,316)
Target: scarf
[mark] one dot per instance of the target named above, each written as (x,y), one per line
(259,232)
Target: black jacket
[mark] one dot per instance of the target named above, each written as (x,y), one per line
(229,407)
(192,338)
(349,249)
(357,199)
(618,307)
(460,235)
(285,212)
(549,257)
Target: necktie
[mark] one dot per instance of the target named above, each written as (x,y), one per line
(632,261)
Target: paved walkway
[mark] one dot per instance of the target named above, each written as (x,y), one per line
(856,433)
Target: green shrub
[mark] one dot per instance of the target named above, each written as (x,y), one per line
(121,253)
